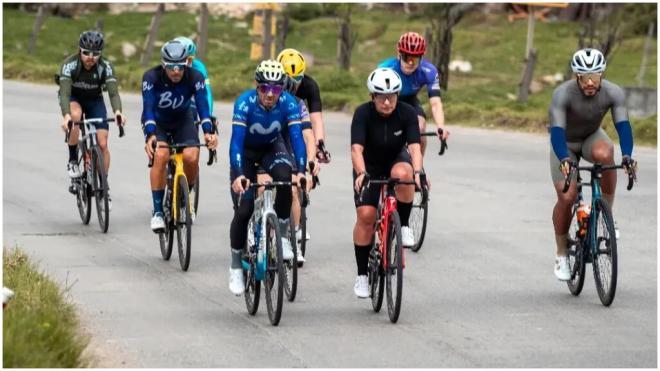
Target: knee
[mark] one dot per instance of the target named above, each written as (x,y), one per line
(161,157)
(191,157)
(366,217)
(281,173)
(403,172)
(604,153)
(567,199)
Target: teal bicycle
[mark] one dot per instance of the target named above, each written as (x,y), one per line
(593,240)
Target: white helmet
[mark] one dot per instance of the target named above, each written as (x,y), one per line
(384,81)
(588,61)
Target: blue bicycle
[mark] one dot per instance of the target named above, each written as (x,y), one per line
(592,239)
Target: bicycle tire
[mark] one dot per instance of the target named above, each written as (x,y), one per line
(83,193)
(100,187)
(606,288)
(183,223)
(303,228)
(274,279)
(577,259)
(252,285)
(394,270)
(196,196)
(291,266)
(418,219)
(376,278)
(166,238)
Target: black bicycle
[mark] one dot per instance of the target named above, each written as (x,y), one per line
(593,239)
(94,181)
(420,209)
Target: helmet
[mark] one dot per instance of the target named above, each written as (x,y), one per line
(270,72)
(189,44)
(173,52)
(384,81)
(588,61)
(91,40)
(412,43)
(292,61)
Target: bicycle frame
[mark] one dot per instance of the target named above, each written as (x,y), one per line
(386,206)
(176,160)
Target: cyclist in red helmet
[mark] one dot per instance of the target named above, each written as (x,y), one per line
(415,72)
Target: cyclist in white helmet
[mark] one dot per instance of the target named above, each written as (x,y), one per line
(384,143)
(576,114)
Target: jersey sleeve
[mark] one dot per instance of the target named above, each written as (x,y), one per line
(199,89)
(209,93)
(66,72)
(313,95)
(238,132)
(111,84)
(294,125)
(304,115)
(621,121)
(359,126)
(557,116)
(432,79)
(148,103)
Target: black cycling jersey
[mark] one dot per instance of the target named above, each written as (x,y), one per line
(383,138)
(310,93)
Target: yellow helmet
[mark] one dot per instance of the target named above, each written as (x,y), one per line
(293,62)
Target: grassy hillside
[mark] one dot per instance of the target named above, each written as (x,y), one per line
(494,46)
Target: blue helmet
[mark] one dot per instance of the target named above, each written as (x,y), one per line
(189,44)
(173,52)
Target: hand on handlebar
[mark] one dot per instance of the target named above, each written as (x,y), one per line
(629,165)
(322,154)
(150,146)
(240,184)
(66,122)
(211,141)
(565,166)
(359,180)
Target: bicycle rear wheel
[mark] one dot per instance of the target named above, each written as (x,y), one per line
(83,190)
(291,266)
(100,187)
(303,228)
(577,259)
(252,285)
(419,217)
(605,261)
(376,278)
(183,223)
(274,280)
(394,271)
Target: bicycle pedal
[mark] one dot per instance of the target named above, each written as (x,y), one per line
(73,190)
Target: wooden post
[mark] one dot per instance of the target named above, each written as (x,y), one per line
(530,30)
(99,25)
(647,45)
(38,21)
(202,30)
(268,35)
(153,32)
(528,74)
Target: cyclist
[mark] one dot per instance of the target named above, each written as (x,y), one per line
(380,131)
(307,89)
(258,120)
(416,72)
(81,79)
(167,91)
(576,113)
(197,64)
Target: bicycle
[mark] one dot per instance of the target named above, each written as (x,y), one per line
(386,258)
(291,266)
(93,181)
(177,205)
(262,256)
(420,209)
(595,240)
(303,212)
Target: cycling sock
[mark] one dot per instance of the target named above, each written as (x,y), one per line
(157,197)
(404,209)
(236,258)
(562,242)
(362,259)
(73,153)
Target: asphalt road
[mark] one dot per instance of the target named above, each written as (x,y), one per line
(481,292)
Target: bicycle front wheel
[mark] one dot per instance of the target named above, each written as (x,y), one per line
(376,278)
(605,260)
(252,285)
(274,280)
(394,263)
(419,217)
(291,266)
(83,190)
(183,223)
(100,187)
(577,258)
(303,228)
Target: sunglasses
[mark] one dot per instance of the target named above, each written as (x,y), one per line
(381,98)
(595,77)
(270,88)
(175,66)
(90,53)
(409,58)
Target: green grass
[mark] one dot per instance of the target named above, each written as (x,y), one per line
(493,45)
(40,327)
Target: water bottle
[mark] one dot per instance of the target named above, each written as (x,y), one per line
(583,213)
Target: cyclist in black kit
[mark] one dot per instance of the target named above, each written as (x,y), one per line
(384,143)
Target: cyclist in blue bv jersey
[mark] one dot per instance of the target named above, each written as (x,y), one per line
(260,115)
(415,72)
(167,92)
(576,113)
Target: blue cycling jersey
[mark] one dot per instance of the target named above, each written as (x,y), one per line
(199,66)
(255,127)
(167,102)
(425,74)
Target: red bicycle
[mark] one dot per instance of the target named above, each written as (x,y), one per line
(386,258)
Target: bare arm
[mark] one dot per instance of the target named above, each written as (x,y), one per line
(317,126)
(438,115)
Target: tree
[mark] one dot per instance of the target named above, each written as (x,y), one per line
(346,37)
(153,32)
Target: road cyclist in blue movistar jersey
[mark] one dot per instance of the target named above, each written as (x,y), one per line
(167,92)
(260,115)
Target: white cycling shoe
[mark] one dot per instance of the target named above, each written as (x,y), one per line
(361,288)
(157,223)
(299,234)
(73,170)
(287,250)
(407,237)
(236,282)
(562,270)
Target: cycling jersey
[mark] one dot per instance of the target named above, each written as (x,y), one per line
(254,127)
(165,102)
(575,116)
(199,66)
(75,81)
(309,91)
(306,123)
(425,74)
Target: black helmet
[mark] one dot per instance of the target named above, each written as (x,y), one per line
(173,52)
(91,40)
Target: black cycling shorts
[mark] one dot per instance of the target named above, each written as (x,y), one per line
(371,196)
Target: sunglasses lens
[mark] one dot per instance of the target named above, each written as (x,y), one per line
(274,89)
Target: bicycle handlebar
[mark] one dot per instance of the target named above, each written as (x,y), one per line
(443,142)
(213,156)
(82,122)
(391,182)
(270,185)
(597,169)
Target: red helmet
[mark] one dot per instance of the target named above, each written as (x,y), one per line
(412,43)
